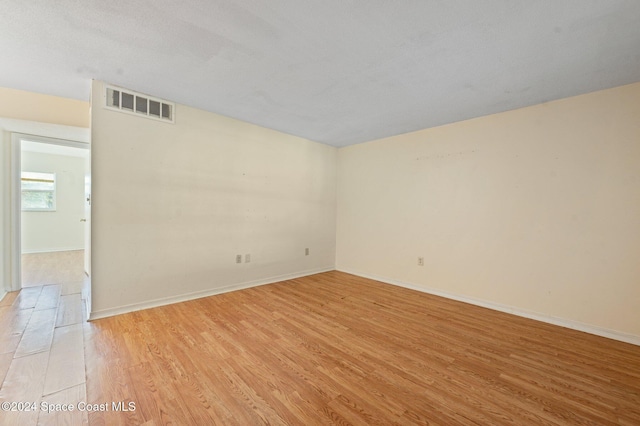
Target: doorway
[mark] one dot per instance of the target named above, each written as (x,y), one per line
(51,214)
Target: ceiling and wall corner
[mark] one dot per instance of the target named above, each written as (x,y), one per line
(332,72)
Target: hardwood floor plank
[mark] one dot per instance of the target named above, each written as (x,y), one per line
(70,396)
(5,362)
(66,360)
(27,298)
(49,297)
(118,388)
(510,399)
(38,334)
(14,321)
(276,396)
(70,310)
(148,396)
(258,408)
(9,298)
(23,383)
(349,408)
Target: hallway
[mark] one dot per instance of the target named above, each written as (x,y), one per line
(41,339)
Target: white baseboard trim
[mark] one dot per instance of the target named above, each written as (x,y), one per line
(51,250)
(562,322)
(2,294)
(200,294)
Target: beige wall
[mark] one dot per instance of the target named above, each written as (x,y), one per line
(22,105)
(536,209)
(60,229)
(174,204)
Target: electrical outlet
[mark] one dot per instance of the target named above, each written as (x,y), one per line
(247,258)
(421,261)
(306,251)
(238,258)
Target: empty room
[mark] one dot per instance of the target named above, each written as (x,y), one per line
(305,212)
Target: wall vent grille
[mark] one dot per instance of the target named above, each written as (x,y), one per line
(131,102)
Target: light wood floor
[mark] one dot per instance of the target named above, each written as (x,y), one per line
(42,352)
(336,349)
(53,268)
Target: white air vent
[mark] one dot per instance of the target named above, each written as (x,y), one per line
(131,102)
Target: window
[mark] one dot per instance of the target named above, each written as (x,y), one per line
(38,191)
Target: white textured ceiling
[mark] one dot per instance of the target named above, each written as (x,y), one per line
(337,72)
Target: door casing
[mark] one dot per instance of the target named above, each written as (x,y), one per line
(16,211)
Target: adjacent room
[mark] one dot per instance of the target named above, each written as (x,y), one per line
(320,213)
(52,196)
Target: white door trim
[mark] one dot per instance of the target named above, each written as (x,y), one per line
(16,211)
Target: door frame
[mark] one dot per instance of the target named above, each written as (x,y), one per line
(16,197)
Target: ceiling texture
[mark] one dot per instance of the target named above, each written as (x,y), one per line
(336,72)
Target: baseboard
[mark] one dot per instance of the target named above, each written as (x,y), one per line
(200,294)
(2,294)
(51,250)
(562,322)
